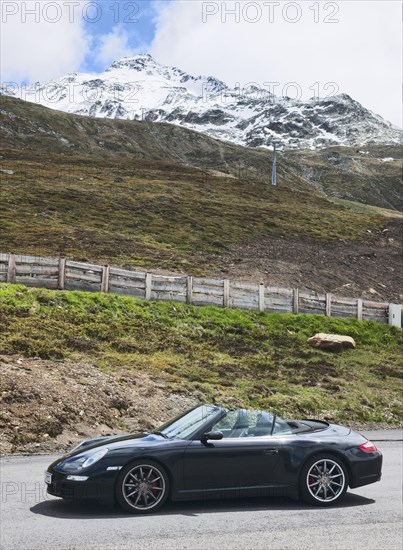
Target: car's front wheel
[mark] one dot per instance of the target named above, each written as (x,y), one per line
(323,480)
(142,487)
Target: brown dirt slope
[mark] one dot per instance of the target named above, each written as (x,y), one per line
(49,406)
(372,268)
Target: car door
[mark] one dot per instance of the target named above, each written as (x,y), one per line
(232,464)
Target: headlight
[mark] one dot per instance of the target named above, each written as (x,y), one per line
(83,460)
(94,458)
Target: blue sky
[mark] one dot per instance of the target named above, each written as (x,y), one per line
(134,20)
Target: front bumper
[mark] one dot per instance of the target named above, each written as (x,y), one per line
(100,487)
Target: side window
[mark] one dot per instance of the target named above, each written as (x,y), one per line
(281,427)
(239,423)
(244,423)
(226,424)
(235,423)
(263,425)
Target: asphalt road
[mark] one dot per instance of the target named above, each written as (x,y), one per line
(369,518)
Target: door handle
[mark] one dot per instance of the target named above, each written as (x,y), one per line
(270,451)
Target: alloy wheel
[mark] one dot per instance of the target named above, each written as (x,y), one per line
(144,487)
(325,480)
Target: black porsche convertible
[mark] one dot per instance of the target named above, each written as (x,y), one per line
(212,452)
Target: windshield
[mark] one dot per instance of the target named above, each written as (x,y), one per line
(185,425)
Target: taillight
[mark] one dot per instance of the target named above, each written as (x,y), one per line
(368,447)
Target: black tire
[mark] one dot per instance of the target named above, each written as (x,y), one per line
(323,480)
(142,487)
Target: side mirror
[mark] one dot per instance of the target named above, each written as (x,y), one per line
(212,436)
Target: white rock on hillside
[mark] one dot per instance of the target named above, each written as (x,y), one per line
(333,342)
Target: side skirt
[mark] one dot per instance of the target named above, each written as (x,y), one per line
(237,492)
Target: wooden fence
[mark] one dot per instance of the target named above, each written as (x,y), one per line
(63,274)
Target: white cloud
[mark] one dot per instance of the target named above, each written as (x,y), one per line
(361,53)
(41,46)
(113,46)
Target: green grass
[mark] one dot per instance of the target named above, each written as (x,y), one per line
(234,357)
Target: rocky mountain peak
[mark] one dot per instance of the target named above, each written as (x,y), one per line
(138,87)
(136,63)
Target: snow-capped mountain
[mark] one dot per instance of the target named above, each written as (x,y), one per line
(140,88)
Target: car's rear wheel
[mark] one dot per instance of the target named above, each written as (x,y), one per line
(323,480)
(142,487)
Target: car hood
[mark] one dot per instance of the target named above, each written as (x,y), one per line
(133,439)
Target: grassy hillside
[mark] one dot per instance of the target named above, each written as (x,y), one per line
(162,197)
(163,207)
(35,130)
(340,172)
(210,354)
(361,175)
(161,215)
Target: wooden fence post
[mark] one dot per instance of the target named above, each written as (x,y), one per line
(105,279)
(359,309)
(148,285)
(328,304)
(189,290)
(12,270)
(226,293)
(295,301)
(61,274)
(261,297)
